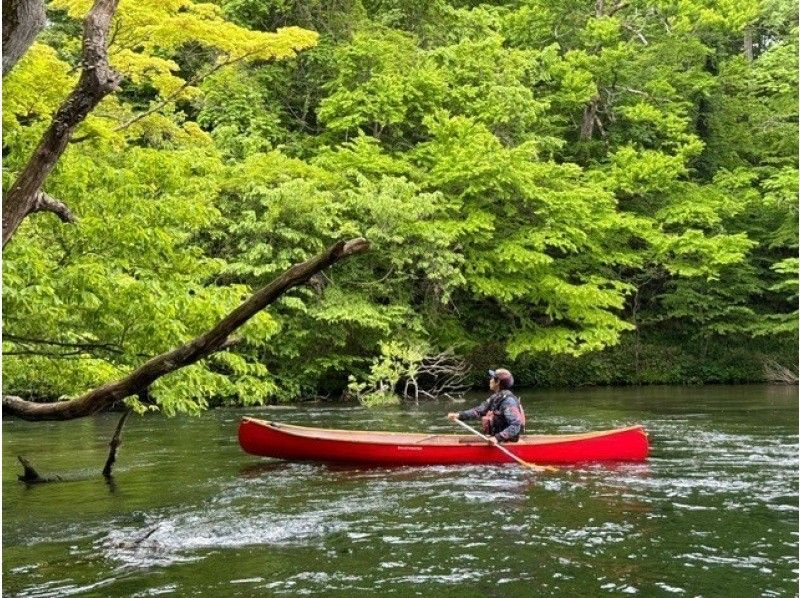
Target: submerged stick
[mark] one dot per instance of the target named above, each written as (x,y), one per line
(116,440)
(31,476)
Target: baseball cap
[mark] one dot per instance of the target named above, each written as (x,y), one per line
(503,376)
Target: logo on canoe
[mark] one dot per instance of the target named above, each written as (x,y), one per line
(409,448)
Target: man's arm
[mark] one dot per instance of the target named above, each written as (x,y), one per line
(476,412)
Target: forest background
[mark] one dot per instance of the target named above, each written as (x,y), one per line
(586,193)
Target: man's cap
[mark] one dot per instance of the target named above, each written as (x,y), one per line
(502,375)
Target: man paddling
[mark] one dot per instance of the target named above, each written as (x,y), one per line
(501,415)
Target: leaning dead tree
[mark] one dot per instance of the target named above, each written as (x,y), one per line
(441,375)
(215,339)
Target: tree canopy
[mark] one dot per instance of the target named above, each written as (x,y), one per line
(540,181)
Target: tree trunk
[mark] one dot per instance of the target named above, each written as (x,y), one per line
(22,22)
(589,118)
(748,44)
(207,343)
(97,80)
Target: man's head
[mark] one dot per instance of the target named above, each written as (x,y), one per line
(500,379)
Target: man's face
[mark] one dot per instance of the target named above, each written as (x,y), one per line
(493,384)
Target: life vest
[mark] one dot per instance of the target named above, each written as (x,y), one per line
(495,420)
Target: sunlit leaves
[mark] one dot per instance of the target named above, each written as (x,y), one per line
(539,177)
(86,304)
(23,95)
(151,38)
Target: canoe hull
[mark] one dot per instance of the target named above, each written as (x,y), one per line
(268,439)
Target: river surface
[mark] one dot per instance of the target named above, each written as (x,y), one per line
(714,512)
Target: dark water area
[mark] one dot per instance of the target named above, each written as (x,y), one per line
(714,512)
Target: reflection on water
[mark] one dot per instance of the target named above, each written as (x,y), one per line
(714,511)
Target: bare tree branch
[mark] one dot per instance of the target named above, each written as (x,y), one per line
(443,374)
(76,349)
(97,80)
(191,82)
(45,203)
(616,8)
(69,344)
(188,353)
(116,440)
(778,373)
(174,95)
(637,33)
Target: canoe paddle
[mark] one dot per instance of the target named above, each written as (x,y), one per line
(504,449)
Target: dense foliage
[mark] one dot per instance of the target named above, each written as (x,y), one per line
(589,192)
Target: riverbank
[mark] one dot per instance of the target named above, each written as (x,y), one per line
(659,360)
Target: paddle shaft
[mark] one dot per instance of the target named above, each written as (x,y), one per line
(502,448)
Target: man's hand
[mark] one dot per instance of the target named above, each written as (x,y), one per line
(452,416)
(493,440)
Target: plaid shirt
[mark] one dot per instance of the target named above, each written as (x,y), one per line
(502,416)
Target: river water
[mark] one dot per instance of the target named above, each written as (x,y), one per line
(714,512)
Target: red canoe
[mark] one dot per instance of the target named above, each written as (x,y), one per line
(270,439)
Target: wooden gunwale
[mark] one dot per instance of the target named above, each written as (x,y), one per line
(394,438)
